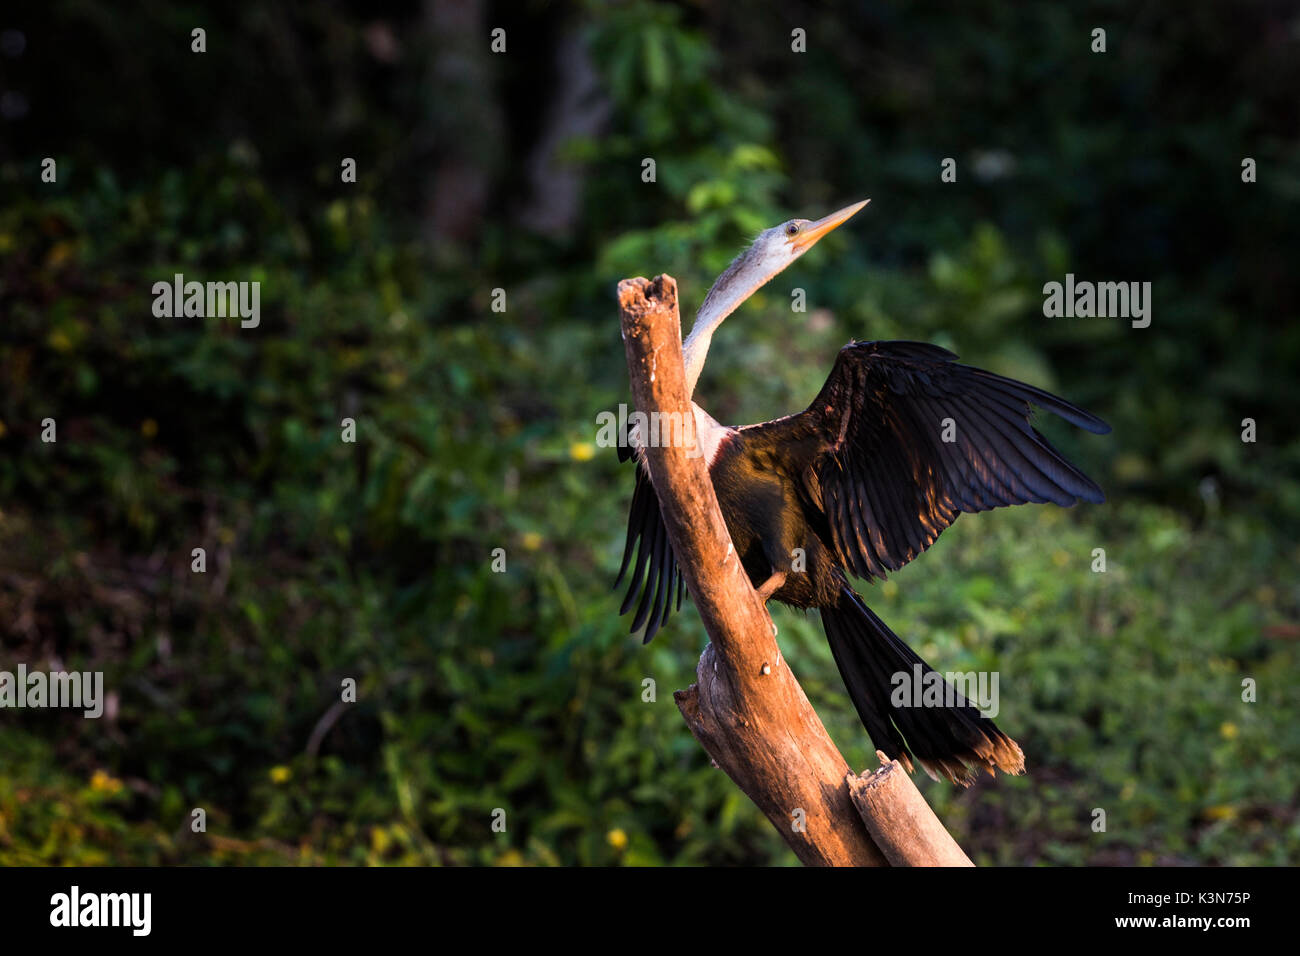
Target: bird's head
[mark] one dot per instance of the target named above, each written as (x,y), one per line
(788,241)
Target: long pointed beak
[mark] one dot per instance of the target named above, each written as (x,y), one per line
(809,234)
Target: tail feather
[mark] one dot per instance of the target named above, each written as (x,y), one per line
(954,742)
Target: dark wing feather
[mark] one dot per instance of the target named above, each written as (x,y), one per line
(655,573)
(888,482)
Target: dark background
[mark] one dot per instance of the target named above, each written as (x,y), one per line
(476,429)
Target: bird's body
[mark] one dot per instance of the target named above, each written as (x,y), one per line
(899,442)
(770,518)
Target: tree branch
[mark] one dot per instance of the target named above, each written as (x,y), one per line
(899,820)
(747,709)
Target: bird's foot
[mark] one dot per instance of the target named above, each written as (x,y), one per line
(771,586)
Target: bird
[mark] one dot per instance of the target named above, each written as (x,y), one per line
(900,441)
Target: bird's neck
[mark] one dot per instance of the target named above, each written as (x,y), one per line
(733,287)
(696,349)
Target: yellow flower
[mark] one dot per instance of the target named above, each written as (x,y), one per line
(532,540)
(1228,730)
(582,451)
(149,428)
(103,783)
(1221,812)
(59,341)
(281,774)
(617,839)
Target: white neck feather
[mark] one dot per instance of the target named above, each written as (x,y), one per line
(696,349)
(737,283)
(709,434)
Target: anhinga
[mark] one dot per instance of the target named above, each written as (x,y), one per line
(898,443)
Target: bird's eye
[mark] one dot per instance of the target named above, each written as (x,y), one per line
(791,229)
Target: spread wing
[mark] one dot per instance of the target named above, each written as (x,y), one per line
(907,440)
